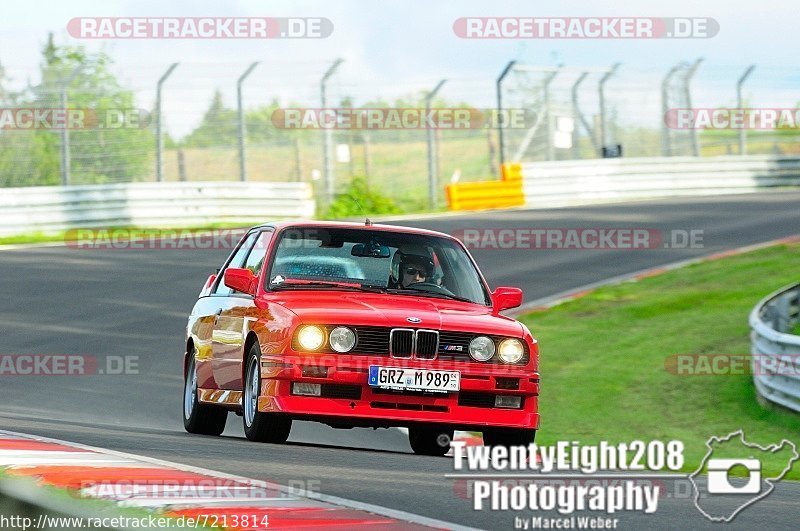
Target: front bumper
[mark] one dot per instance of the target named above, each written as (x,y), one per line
(351,401)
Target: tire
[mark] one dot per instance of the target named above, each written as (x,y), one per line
(202,419)
(508,437)
(258,426)
(430,440)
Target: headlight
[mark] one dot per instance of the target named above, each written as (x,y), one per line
(511,350)
(310,337)
(481,348)
(342,339)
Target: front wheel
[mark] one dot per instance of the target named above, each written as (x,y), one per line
(258,426)
(430,440)
(200,418)
(508,437)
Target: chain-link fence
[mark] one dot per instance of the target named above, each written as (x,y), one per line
(212,122)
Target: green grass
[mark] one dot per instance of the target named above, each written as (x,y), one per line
(603,358)
(62,236)
(397,169)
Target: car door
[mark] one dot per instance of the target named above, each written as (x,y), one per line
(235,311)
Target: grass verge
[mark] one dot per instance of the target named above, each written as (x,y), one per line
(66,235)
(603,359)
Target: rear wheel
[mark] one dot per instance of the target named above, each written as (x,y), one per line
(200,418)
(430,440)
(258,426)
(508,437)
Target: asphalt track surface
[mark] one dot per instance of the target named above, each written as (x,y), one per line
(58,300)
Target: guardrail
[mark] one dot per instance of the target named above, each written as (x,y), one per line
(180,204)
(563,183)
(776,353)
(578,182)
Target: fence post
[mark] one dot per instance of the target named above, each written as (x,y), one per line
(689,75)
(367,156)
(740,105)
(66,162)
(298,161)
(327,149)
(550,149)
(159,124)
(666,141)
(499,85)
(576,116)
(601,91)
(240,114)
(433,176)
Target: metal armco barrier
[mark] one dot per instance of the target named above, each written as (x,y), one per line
(180,204)
(562,183)
(776,353)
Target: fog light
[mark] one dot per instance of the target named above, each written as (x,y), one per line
(306,389)
(508,402)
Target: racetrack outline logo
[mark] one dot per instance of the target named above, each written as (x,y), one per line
(770,481)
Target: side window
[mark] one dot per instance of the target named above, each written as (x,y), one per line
(236,261)
(255,261)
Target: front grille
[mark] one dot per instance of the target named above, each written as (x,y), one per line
(402,343)
(372,340)
(427,344)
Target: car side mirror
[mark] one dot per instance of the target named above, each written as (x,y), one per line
(240,279)
(504,298)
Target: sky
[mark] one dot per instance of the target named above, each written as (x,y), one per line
(395,47)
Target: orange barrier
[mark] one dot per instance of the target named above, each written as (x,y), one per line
(484,195)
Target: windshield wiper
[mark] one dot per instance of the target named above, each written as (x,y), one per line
(290,284)
(416,291)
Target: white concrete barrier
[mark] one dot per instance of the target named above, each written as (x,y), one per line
(181,204)
(574,182)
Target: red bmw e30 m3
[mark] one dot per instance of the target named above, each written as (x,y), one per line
(359,325)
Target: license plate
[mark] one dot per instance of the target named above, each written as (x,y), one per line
(414,379)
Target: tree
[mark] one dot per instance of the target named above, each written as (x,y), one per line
(98,154)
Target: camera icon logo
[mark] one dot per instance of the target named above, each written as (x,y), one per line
(719,481)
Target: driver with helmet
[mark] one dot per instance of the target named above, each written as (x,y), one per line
(413,267)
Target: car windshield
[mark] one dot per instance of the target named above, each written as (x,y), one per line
(372,260)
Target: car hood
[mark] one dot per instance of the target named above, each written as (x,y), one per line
(367,309)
